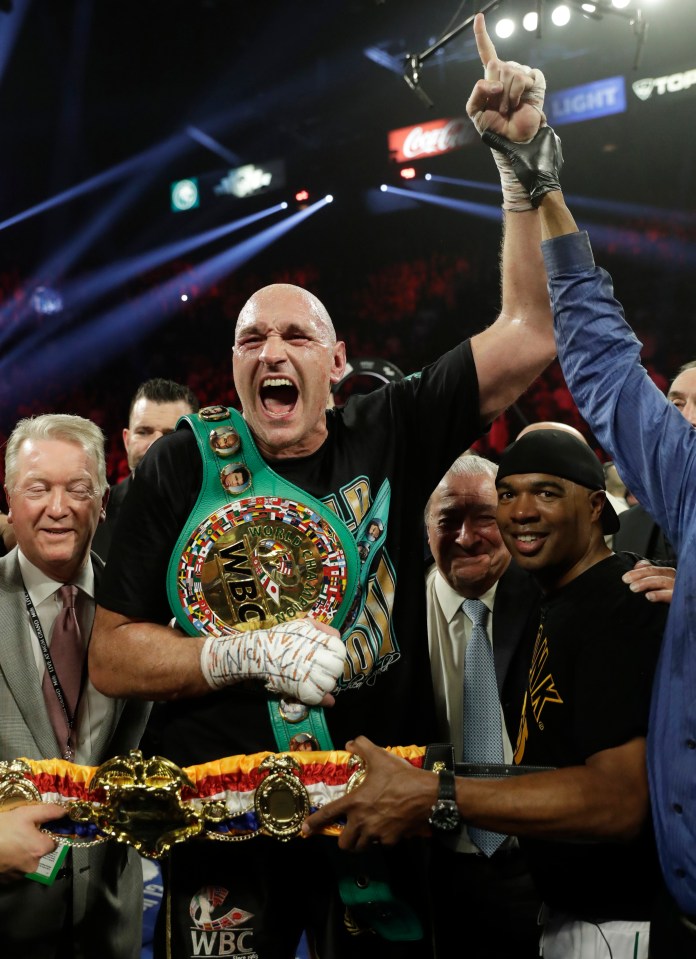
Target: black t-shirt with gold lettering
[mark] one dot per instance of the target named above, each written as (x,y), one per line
(582,684)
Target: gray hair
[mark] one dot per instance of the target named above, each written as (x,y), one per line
(682,369)
(466,464)
(57,426)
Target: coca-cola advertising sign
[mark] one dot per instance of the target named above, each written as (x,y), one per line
(430,139)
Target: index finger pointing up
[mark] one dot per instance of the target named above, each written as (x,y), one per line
(484,44)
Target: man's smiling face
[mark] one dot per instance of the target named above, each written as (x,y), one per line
(547,524)
(55,505)
(284,360)
(463,535)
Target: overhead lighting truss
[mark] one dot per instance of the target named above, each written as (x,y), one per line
(533,20)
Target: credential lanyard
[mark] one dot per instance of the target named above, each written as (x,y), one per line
(68,752)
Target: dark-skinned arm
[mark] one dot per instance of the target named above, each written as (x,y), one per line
(606,799)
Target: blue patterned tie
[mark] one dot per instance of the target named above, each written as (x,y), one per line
(483,738)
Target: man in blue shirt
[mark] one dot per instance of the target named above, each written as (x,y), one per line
(654,448)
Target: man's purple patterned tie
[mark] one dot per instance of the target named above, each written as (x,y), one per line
(67,654)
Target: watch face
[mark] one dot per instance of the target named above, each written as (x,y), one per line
(445,815)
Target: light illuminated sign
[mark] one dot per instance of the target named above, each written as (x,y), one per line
(587,102)
(251,179)
(430,139)
(184,195)
(659,86)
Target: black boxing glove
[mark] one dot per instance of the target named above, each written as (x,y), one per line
(537,164)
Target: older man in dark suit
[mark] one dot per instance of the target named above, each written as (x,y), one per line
(55,482)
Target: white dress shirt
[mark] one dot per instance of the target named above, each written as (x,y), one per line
(449,629)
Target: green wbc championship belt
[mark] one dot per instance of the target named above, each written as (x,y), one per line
(257,551)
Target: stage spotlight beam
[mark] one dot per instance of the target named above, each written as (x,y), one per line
(102,339)
(210,144)
(147,160)
(85,291)
(482,210)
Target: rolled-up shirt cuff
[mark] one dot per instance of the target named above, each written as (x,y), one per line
(570,253)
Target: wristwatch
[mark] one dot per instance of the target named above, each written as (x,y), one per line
(445,815)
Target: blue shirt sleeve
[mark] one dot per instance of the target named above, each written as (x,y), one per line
(654,448)
(652,445)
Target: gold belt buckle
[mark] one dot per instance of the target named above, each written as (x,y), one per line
(142,804)
(281,801)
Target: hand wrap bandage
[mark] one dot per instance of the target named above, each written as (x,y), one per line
(515,197)
(536,93)
(296,659)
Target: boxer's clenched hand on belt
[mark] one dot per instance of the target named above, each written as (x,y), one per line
(302,659)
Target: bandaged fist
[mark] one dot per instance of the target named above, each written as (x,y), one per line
(304,660)
(301,659)
(509,100)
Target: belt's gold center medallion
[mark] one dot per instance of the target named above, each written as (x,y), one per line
(258,562)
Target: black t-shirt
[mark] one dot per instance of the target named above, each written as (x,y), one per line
(585,680)
(101,541)
(384,454)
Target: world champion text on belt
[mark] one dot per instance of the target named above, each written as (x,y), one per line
(260,561)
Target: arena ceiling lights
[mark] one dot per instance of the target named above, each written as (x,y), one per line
(534,16)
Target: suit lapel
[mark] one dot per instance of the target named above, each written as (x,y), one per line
(17,664)
(17,659)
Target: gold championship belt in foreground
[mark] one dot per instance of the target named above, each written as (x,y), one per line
(152,804)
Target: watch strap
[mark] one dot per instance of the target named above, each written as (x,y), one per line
(446,788)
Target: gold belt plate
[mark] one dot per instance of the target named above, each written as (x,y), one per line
(258,562)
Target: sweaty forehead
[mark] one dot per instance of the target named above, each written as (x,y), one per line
(57,457)
(283,307)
